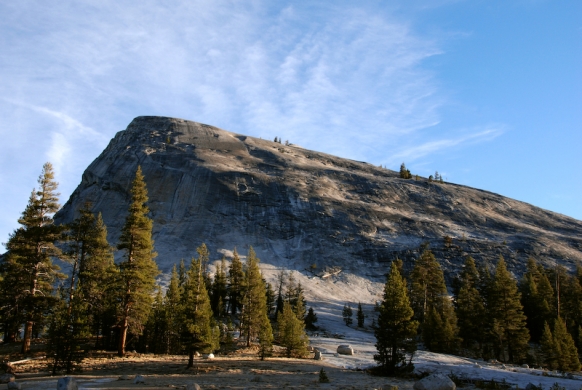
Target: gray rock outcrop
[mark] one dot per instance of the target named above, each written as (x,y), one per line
(299,207)
(435,382)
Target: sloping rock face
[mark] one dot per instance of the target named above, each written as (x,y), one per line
(300,208)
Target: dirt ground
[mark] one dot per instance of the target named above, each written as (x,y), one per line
(238,371)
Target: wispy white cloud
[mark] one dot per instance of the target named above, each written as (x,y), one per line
(347,80)
(439,146)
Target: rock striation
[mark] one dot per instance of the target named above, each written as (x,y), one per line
(300,208)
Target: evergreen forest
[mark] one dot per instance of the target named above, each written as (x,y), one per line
(102,304)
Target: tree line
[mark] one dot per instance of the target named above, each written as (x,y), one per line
(106,305)
(491,315)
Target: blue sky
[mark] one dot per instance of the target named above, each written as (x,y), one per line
(486,92)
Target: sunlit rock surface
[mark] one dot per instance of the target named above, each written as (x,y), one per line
(306,210)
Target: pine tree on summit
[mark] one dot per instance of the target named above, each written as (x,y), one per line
(138,269)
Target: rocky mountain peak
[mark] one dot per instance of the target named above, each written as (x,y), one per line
(306,210)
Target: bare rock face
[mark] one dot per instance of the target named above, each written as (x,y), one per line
(300,208)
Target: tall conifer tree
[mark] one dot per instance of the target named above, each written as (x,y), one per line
(28,270)
(236,283)
(93,267)
(471,309)
(432,305)
(138,268)
(254,299)
(396,329)
(567,352)
(219,290)
(360,316)
(291,332)
(537,298)
(509,323)
(196,314)
(172,308)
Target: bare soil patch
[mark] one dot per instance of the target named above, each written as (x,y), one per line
(241,370)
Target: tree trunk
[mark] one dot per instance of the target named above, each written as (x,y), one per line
(191,358)
(27,337)
(122,338)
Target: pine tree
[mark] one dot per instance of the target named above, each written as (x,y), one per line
(509,323)
(281,279)
(471,309)
(219,290)
(155,334)
(68,330)
(360,316)
(236,287)
(404,173)
(347,314)
(571,304)
(265,337)
(182,273)
(548,347)
(270,296)
(536,298)
(395,330)
(254,299)
(93,267)
(29,273)
(435,309)
(138,268)
(196,314)
(310,320)
(291,332)
(172,307)
(299,303)
(567,354)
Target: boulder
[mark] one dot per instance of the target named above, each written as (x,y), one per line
(193,386)
(138,380)
(5,378)
(67,383)
(345,350)
(435,382)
